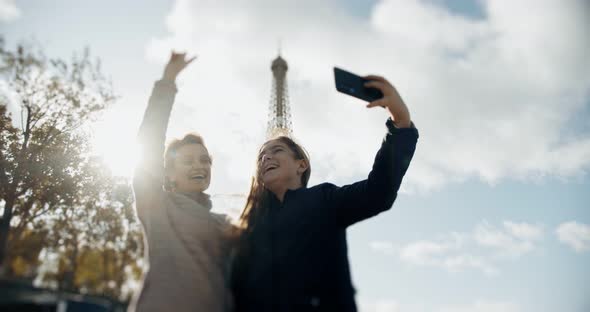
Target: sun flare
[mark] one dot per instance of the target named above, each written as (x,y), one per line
(114,140)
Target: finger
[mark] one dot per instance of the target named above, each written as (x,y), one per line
(375,77)
(371,105)
(378,78)
(191,59)
(376,84)
(380,103)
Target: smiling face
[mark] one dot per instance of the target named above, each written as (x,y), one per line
(191,170)
(279,166)
(282,164)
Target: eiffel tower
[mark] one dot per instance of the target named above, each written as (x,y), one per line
(279,115)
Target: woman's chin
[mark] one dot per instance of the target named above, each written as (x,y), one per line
(195,188)
(270,178)
(201,189)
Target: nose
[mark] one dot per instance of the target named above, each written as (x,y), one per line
(265,157)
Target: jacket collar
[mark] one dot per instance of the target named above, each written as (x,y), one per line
(288,193)
(202,198)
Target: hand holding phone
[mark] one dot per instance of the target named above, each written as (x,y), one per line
(377,91)
(354,85)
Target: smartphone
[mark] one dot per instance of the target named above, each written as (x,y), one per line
(354,85)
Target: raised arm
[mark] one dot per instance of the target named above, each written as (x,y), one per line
(149,173)
(364,199)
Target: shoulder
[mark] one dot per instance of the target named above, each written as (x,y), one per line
(229,230)
(221,218)
(325,187)
(323,190)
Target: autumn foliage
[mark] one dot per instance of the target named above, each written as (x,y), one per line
(66,221)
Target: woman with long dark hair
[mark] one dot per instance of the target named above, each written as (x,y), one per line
(293,252)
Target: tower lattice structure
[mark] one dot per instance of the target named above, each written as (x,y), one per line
(279,115)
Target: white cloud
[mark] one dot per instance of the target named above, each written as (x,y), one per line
(383,305)
(574,234)
(514,239)
(384,247)
(483,249)
(483,306)
(424,252)
(524,231)
(492,97)
(480,305)
(8,11)
(467,261)
(448,253)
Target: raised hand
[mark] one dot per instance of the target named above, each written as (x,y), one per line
(391,100)
(177,63)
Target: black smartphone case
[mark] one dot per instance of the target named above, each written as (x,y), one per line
(354,85)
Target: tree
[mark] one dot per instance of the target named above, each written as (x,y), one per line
(57,200)
(98,246)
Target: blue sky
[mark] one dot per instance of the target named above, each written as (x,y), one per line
(501,95)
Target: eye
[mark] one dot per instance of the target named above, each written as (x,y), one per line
(206,160)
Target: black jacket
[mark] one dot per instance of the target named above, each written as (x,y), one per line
(295,258)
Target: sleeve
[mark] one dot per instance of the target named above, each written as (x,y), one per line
(361,200)
(149,172)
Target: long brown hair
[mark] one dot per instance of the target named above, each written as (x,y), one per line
(258,198)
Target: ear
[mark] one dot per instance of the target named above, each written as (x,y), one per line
(303,166)
(170,175)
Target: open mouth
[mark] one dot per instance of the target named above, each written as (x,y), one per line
(270,167)
(198,177)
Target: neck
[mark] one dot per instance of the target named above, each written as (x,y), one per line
(280,194)
(280,191)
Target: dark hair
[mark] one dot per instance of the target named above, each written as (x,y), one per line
(258,197)
(172,149)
